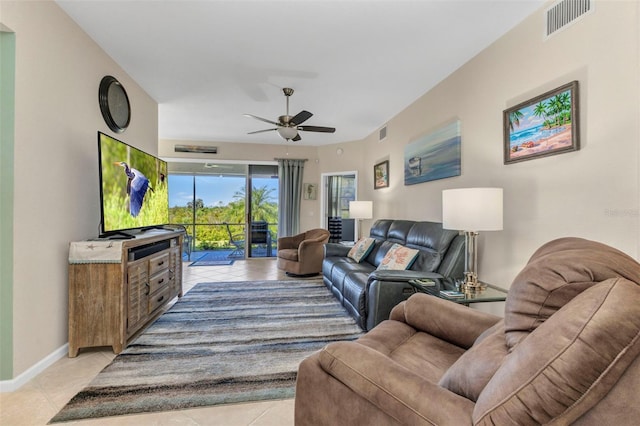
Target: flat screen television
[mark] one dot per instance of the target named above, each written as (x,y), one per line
(133,189)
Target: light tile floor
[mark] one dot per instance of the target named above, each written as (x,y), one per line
(40,399)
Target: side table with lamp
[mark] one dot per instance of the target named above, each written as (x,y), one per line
(470,210)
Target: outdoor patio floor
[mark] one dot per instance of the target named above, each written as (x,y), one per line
(224,254)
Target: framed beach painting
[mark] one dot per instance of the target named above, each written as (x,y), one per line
(545,125)
(436,155)
(381,175)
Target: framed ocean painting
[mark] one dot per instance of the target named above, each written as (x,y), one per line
(545,125)
(434,156)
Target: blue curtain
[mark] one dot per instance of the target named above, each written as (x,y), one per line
(290,173)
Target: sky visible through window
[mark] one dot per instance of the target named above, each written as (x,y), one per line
(213,190)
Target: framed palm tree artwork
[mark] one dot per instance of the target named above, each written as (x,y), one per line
(545,125)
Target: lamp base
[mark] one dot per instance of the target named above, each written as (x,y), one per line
(471,283)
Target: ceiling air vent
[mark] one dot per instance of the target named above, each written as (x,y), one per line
(200,149)
(382,134)
(565,12)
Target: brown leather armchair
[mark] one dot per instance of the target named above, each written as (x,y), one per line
(302,254)
(566,352)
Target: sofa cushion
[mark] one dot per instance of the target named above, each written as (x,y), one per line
(391,387)
(399,230)
(353,289)
(398,257)
(569,362)
(426,355)
(473,370)
(361,249)
(288,254)
(380,229)
(556,273)
(433,243)
(378,253)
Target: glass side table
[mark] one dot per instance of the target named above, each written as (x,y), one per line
(490,293)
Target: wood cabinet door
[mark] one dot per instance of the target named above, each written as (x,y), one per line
(175,271)
(138,289)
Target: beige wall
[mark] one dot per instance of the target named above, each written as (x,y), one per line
(58,70)
(592,193)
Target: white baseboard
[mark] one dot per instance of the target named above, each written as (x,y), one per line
(43,364)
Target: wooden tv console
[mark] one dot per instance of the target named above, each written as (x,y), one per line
(116,287)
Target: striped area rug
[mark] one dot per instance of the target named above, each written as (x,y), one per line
(221,343)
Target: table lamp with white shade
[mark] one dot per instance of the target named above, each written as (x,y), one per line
(360,210)
(471,210)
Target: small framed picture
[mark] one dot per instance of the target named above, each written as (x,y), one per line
(545,125)
(309,191)
(381,175)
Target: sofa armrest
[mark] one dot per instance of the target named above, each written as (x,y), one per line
(444,319)
(387,288)
(312,245)
(402,275)
(335,249)
(393,388)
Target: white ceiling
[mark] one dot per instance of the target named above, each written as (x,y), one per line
(354,64)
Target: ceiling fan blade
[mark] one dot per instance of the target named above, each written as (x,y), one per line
(317,129)
(261,131)
(262,119)
(297,138)
(301,117)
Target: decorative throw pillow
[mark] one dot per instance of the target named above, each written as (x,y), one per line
(361,249)
(398,257)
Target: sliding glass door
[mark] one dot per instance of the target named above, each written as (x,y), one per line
(229,211)
(262,210)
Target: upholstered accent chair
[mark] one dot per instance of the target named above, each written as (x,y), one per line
(566,352)
(302,254)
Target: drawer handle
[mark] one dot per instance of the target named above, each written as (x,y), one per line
(160,299)
(148,290)
(161,281)
(161,263)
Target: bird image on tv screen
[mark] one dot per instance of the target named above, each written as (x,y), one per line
(133,186)
(137,186)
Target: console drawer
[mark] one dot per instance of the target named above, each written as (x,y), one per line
(158,263)
(158,299)
(158,281)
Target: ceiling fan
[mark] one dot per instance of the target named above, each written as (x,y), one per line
(288,126)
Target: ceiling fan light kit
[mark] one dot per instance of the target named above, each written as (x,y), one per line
(288,126)
(287,132)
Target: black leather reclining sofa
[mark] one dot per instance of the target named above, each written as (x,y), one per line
(369,294)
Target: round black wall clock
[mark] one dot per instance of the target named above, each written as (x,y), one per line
(114,104)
